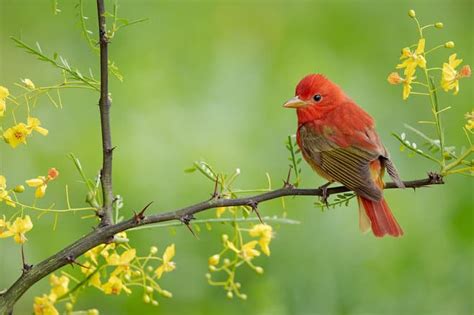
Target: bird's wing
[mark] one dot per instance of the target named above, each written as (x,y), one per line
(349,164)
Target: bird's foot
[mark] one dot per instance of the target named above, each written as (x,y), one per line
(324,195)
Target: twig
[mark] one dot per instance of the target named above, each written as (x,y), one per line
(102,235)
(104,106)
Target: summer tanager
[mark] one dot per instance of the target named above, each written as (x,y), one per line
(338,140)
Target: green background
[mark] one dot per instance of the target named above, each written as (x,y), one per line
(207,80)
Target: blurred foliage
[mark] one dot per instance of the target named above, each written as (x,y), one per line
(207,80)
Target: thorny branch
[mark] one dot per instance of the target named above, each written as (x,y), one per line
(106,233)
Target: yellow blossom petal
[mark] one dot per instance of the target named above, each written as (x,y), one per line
(34,124)
(41,191)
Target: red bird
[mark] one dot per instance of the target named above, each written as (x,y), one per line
(339,141)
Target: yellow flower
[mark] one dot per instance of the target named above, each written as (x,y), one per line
(41,182)
(16,135)
(59,286)
(4,192)
(34,124)
(4,232)
(19,227)
(167,264)
(29,84)
(44,306)
(450,77)
(3,96)
(247,252)
(412,59)
(265,232)
(122,261)
(115,286)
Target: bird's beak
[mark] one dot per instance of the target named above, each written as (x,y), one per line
(294,102)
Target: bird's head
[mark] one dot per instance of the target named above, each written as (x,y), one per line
(315,92)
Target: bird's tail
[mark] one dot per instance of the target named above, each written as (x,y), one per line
(376,215)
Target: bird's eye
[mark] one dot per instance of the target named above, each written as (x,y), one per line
(317,98)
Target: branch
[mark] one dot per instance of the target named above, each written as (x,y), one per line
(104,106)
(105,234)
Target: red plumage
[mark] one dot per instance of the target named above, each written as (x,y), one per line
(339,141)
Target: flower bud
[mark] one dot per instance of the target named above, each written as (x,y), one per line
(149,268)
(465,71)
(412,14)
(93,311)
(19,189)
(439,25)
(230,294)
(53,173)
(238,285)
(449,44)
(394,78)
(226,261)
(212,268)
(148,289)
(208,276)
(146,298)
(167,294)
(214,260)
(153,250)
(155,303)
(243,296)
(69,307)
(225,238)
(259,270)
(28,83)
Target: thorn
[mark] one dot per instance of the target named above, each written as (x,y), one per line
(254,206)
(25,267)
(73,262)
(186,219)
(138,217)
(286,183)
(216,194)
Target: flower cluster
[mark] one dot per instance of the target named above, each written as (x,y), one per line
(112,268)
(434,79)
(236,253)
(128,268)
(413,59)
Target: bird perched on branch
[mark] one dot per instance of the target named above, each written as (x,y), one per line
(338,140)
